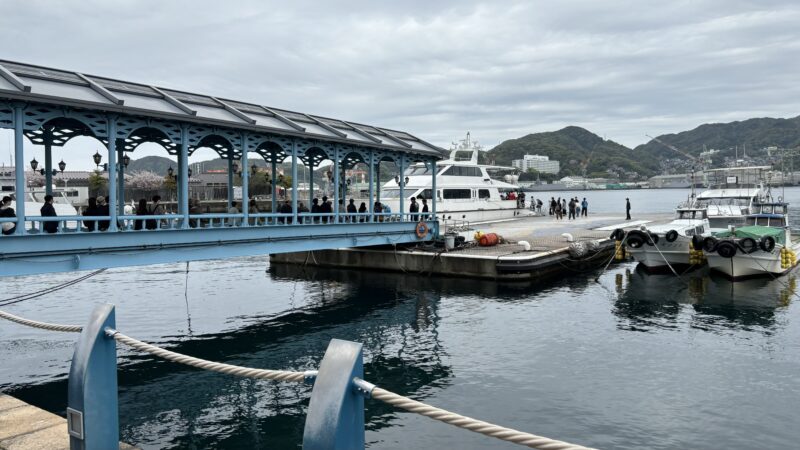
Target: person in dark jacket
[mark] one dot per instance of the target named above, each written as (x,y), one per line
(361,210)
(351,209)
(48,210)
(627,209)
(102,210)
(141,210)
(155,209)
(7,211)
(325,208)
(315,209)
(90,211)
(413,208)
(424,208)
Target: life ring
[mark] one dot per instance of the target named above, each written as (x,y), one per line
(748,245)
(726,249)
(421,229)
(710,244)
(671,236)
(767,243)
(636,239)
(653,240)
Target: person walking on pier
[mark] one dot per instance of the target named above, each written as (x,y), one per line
(627,209)
(48,210)
(571,209)
(584,207)
(552,206)
(413,208)
(7,211)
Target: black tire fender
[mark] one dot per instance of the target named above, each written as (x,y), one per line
(710,244)
(726,249)
(671,236)
(653,238)
(748,245)
(617,235)
(697,242)
(767,243)
(636,239)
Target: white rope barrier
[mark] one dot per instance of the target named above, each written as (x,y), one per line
(41,325)
(262,374)
(468,423)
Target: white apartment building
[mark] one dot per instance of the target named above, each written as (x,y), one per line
(538,163)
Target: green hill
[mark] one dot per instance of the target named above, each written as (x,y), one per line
(730,139)
(574,147)
(156,164)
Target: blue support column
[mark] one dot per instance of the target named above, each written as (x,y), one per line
(336,195)
(183,173)
(371,177)
(48,162)
(335,418)
(378,181)
(245,187)
(310,182)
(112,171)
(402,184)
(121,181)
(434,195)
(92,411)
(294,183)
(19,169)
(274,185)
(230,182)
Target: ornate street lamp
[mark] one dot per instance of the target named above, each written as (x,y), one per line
(254,168)
(34,164)
(406,181)
(397,179)
(170,172)
(126,160)
(235,167)
(97,159)
(189,172)
(62,165)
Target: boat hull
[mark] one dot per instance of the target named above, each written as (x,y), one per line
(744,266)
(675,253)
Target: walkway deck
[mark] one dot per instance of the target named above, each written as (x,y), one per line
(25,427)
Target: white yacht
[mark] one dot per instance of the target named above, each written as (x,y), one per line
(465,190)
(660,246)
(731,194)
(34,200)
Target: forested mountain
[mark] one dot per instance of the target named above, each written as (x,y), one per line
(574,147)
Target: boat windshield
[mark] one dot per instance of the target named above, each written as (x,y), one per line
(691,214)
(38,197)
(723,201)
(417,170)
(767,221)
(390,193)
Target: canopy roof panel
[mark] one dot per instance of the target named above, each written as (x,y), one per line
(19,81)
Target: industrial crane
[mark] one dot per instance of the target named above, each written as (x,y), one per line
(694,159)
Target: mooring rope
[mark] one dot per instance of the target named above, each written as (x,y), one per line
(399,401)
(32,295)
(468,423)
(41,325)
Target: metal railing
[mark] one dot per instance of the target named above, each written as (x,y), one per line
(335,417)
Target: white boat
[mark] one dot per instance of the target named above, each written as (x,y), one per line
(761,247)
(34,200)
(660,246)
(731,194)
(465,190)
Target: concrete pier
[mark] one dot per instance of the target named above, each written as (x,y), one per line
(548,256)
(25,427)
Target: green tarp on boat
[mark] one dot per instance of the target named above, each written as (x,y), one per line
(755,232)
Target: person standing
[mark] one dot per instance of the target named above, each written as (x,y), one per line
(141,210)
(413,208)
(352,210)
(627,209)
(362,209)
(424,208)
(552,206)
(7,211)
(584,207)
(155,209)
(102,210)
(48,210)
(571,209)
(90,211)
(325,208)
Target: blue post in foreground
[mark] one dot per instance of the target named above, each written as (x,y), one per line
(92,412)
(335,419)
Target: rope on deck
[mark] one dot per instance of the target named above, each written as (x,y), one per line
(261,374)
(41,325)
(474,425)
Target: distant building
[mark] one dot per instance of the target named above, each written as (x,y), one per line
(538,163)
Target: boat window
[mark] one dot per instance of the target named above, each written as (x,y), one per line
(418,170)
(390,193)
(463,171)
(425,193)
(690,232)
(457,194)
(723,201)
(700,229)
(484,193)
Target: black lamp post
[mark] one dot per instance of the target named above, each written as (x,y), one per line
(62,165)
(254,168)
(171,172)
(126,160)
(34,164)
(97,159)
(189,173)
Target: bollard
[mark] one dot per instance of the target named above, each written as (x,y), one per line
(335,419)
(92,412)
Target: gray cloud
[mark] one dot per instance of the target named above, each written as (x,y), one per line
(438,69)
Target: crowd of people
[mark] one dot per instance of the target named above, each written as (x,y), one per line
(573,208)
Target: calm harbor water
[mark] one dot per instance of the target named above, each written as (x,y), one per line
(631,361)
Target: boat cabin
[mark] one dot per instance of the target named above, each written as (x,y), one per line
(769,215)
(691,213)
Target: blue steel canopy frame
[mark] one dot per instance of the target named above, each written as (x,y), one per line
(50,107)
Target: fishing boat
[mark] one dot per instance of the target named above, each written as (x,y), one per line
(662,246)
(465,190)
(731,193)
(762,247)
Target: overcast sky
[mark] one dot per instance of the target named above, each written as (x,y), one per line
(440,68)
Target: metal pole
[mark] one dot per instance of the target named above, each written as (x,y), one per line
(336,195)
(433,189)
(121,181)
(310,181)
(371,185)
(402,187)
(245,186)
(48,162)
(92,405)
(183,173)
(230,180)
(378,181)
(335,418)
(19,170)
(294,182)
(112,171)
(274,184)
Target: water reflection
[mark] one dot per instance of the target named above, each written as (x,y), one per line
(646,302)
